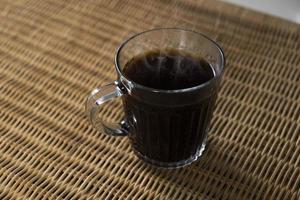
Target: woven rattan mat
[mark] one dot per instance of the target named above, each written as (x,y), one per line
(52,53)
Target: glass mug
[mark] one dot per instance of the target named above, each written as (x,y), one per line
(167,128)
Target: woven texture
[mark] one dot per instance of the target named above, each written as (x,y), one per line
(52,53)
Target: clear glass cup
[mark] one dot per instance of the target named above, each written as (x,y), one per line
(167,128)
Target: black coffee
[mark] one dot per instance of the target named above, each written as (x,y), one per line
(168,133)
(168,70)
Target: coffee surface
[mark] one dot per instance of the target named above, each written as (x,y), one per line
(168,70)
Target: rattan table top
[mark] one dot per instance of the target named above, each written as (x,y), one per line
(52,53)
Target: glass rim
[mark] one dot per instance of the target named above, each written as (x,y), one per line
(189,89)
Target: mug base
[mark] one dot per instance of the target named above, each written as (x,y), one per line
(172,165)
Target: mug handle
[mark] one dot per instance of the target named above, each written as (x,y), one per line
(96,99)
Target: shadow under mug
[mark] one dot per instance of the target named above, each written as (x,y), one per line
(167,128)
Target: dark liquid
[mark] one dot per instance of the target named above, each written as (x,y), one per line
(168,70)
(168,133)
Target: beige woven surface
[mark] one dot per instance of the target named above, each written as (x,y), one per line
(52,53)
